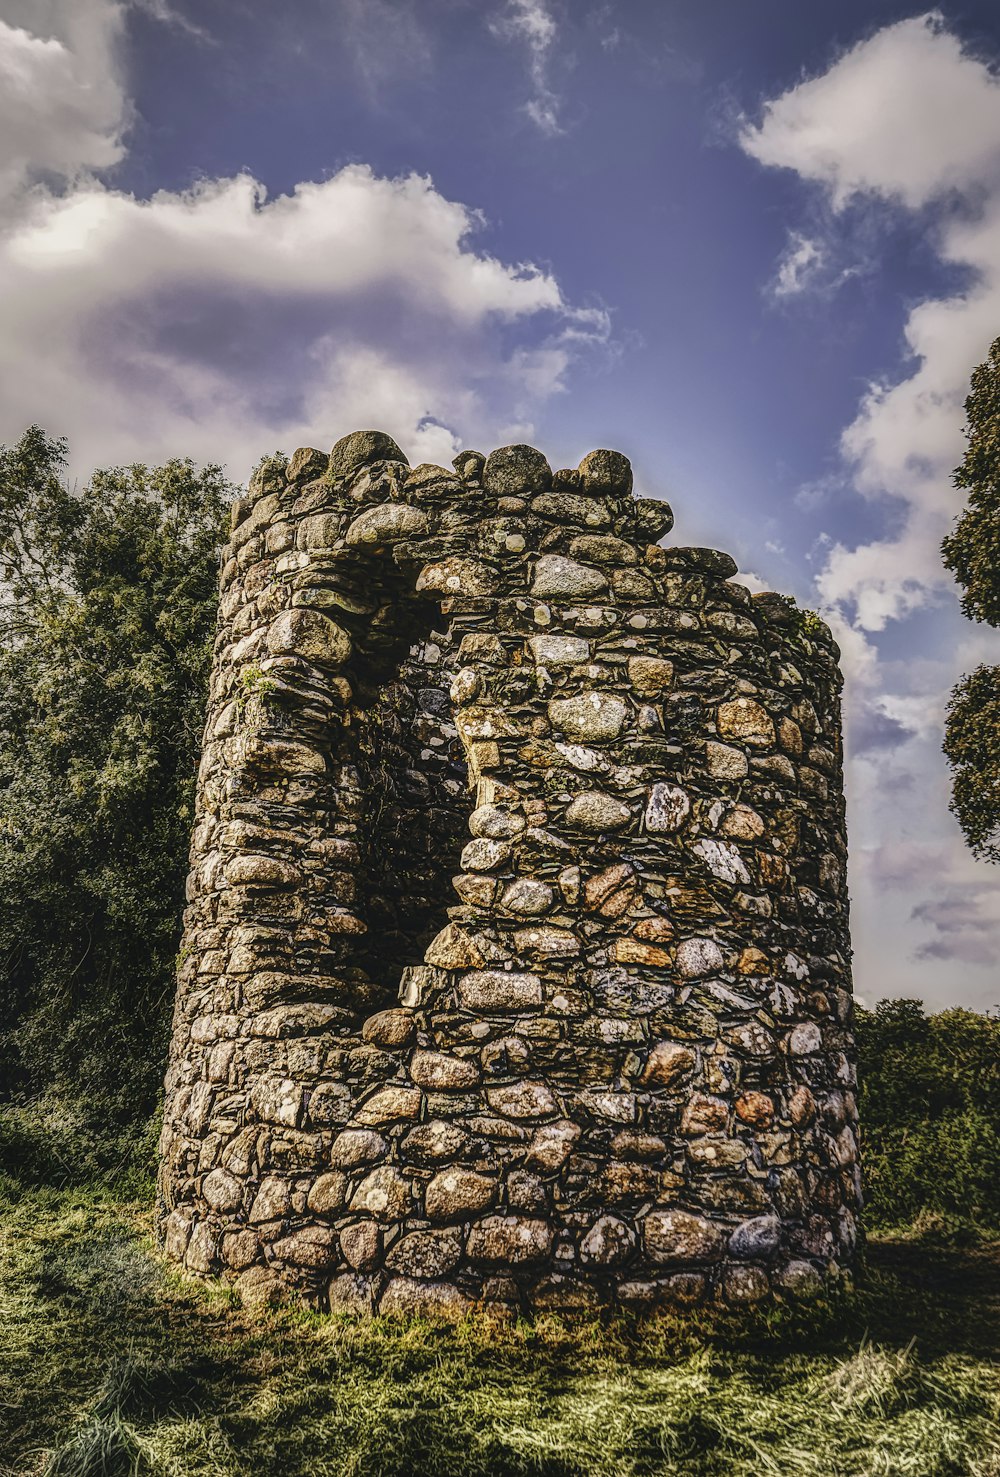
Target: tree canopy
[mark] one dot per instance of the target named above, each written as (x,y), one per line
(972,553)
(107,615)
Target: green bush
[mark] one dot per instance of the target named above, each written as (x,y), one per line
(930,1115)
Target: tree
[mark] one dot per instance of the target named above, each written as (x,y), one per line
(972,553)
(107,616)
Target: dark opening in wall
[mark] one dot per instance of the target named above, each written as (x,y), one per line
(413,774)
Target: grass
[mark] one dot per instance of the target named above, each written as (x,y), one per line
(112,1365)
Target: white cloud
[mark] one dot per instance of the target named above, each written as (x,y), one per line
(908,114)
(531,22)
(908,119)
(62,109)
(218,322)
(803,260)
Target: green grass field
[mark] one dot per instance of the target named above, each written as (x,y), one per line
(112,1364)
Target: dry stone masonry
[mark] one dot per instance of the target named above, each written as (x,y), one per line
(516,962)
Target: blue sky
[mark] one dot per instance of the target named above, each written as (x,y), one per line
(756,246)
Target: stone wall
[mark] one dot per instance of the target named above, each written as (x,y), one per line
(516,960)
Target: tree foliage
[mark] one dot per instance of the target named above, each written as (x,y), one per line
(972,553)
(107,614)
(930,1114)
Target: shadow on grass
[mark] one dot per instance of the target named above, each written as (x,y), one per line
(112,1364)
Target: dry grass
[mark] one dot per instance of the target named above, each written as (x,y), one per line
(111,1364)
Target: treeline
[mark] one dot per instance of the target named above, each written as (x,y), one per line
(107,616)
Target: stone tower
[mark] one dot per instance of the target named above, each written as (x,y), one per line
(516,960)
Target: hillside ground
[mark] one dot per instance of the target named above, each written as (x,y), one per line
(112,1364)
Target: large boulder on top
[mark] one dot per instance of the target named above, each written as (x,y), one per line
(606,471)
(516,471)
(361,447)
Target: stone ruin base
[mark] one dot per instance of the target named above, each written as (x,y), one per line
(516,959)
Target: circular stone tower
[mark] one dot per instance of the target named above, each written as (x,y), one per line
(516,960)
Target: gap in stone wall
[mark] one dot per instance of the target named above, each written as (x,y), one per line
(414,777)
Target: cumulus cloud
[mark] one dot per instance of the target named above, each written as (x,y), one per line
(909,114)
(219,322)
(531,23)
(907,120)
(62,109)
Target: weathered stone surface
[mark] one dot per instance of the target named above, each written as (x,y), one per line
(250,870)
(408,1297)
(654,518)
(361,448)
(747,722)
(361,1243)
(328,1193)
(678,1236)
(496,822)
(650,676)
(390,1105)
(310,634)
(527,896)
(434,1141)
(316,1247)
(722,859)
(350,1293)
(272,1200)
(458,576)
(522,1100)
(698,957)
(743,823)
(519,470)
(439,1072)
(222,1191)
(606,471)
(667,808)
(513,1240)
(757,1239)
(704,1114)
(590,717)
(552,1145)
(608,1243)
(492,989)
(383,1193)
(668,1063)
(559,651)
(357,1146)
(726,763)
(557,577)
(638,951)
(306,463)
(755,1108)
(456,1194)
(425,1254)
(595,810)
(388,1028)
(386,524)
(745,1284)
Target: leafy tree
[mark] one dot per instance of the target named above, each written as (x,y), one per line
(930,1114)
(107,614)
(972,553)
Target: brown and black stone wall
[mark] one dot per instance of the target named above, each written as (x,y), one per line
(516,960)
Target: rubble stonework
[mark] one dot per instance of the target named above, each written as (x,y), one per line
(516,960)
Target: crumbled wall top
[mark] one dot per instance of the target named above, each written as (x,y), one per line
(516,960)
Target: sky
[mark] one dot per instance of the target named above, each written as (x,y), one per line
(755,245)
